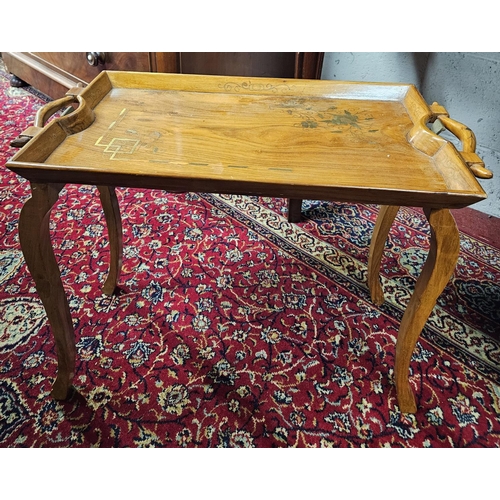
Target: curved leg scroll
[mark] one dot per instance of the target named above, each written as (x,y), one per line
(439,266)
(36,246)
(113,221)
(383,225)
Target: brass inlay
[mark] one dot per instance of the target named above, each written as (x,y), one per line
(254,87)
(126,145)
(118,145)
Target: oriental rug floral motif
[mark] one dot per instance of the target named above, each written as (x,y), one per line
(235,328)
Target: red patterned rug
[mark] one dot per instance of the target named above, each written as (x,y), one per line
(235,328)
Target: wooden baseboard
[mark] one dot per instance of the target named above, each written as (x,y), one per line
(40,75)
(479,225)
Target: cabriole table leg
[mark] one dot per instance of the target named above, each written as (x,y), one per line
(439,266)
(34,235)
(111,210)
(385,218)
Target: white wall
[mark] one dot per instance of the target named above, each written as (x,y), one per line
(467,84)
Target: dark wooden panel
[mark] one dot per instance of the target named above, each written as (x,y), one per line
(75,63)
(271,64)
(309,65)
(167,62)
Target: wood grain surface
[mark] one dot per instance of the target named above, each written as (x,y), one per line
(289,138)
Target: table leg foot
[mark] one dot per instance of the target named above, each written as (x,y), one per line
(385,218)
(437,270)
(113,221)
(294,210)
(15,81)
(62,390)
(34,235)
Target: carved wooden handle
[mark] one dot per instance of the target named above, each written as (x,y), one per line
(466,137)
(42,115)
(72,123)
(45,112)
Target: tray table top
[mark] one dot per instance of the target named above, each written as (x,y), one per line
(343,141)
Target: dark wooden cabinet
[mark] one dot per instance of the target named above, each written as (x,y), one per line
(267,64)
(53,73)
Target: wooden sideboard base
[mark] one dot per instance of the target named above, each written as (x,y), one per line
(46,78)
(53,73)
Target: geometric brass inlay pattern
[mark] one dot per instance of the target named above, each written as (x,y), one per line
(118,145)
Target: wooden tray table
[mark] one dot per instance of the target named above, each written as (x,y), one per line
(295,139)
